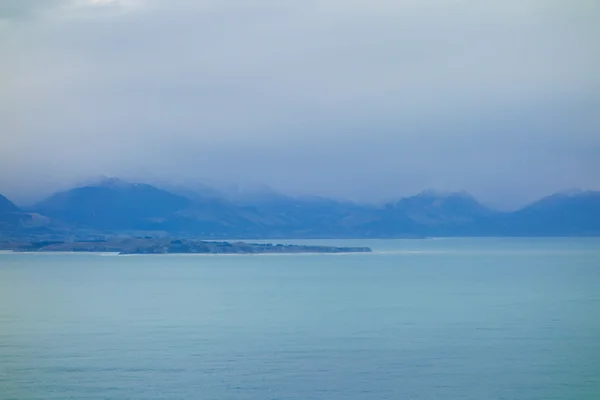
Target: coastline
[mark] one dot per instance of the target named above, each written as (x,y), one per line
(142,246)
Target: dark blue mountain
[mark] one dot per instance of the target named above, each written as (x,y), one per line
(311,216)
(7,207)
(116,206)
(10,215)
(431,209)
(16,222)
(268,213)
(561,214)
(113,205)
(431,213)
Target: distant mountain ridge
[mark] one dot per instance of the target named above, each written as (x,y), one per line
(8,214)
(7,206)
(13,219)
(567,213)
(113,206)
(431,213)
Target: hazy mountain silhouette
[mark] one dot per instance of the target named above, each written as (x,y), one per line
(7,207)
(14,220)
(113,205)
(9,214)
(116,206)
(433,213)
(574,213)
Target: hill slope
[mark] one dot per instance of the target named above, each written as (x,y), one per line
(430,213)
(568,214)
(113,205)
(9,215)
(116,206)
(7,207)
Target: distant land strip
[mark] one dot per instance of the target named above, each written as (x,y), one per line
(173,246)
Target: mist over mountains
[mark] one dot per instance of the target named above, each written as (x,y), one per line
(116,207)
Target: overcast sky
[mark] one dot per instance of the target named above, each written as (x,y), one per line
(367,100)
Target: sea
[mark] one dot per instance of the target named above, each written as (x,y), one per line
(430,319)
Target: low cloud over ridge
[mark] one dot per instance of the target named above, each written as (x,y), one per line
(358,99)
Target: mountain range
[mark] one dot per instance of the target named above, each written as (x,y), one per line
(114,207)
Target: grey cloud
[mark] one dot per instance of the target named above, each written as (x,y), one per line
(345,98)
(19,9)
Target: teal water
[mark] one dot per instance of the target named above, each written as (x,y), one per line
(433,319)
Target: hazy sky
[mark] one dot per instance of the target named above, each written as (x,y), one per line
(365,99)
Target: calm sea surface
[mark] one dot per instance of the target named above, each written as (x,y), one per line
(441,319)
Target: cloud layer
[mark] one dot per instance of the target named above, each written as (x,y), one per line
(358,99)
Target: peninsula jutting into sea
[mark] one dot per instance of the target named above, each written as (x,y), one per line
(175,246)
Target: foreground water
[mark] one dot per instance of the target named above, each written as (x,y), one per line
(417,319)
